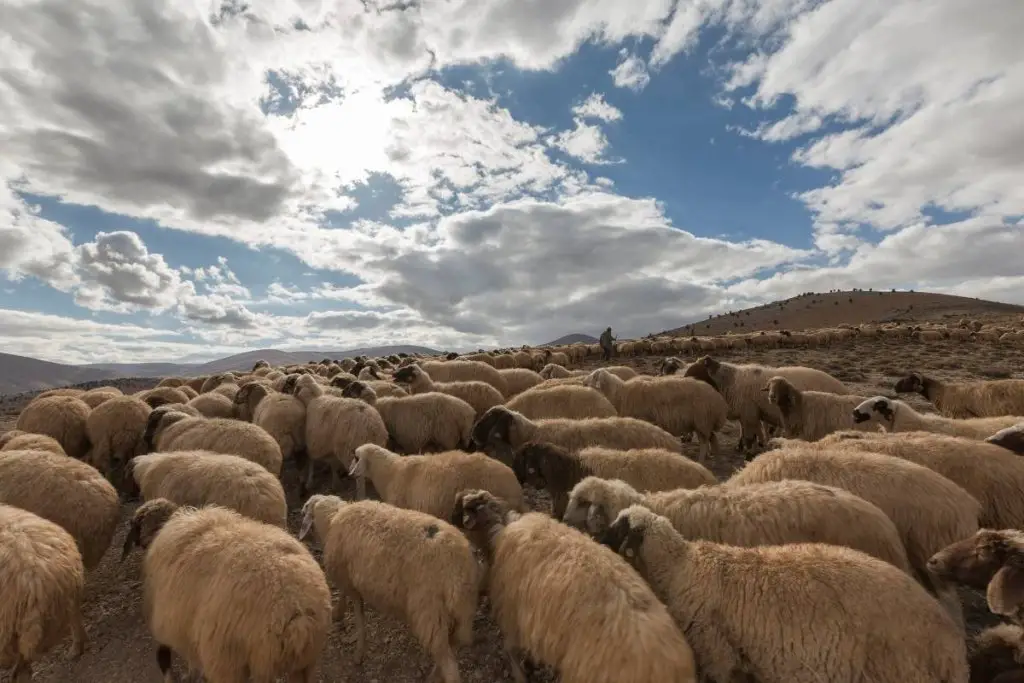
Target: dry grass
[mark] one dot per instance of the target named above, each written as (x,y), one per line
(120,648)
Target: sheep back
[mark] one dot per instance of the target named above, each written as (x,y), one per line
(26,441)
(562,401)
(60,417)
(222,436)
(116,430)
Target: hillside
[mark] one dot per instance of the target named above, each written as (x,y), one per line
(18,373)
(809,311)
(572,339)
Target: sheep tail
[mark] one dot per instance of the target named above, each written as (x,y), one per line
(299,635)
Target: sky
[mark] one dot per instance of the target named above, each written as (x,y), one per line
(188,179)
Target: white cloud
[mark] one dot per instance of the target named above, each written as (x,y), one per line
(587,142)
(595,107)
(631,72)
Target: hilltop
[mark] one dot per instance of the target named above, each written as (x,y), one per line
(576,338)
(814,310)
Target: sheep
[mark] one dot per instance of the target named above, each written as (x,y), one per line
(213,404)
(380,387)
(1010,438)
(545,466)
(58,392)
(16,440)
(741,386)
(897,416)
(435,592)
(503,430)
(480,395)
(116,429)
(549,357)
(566,401)
(170,430)
(519,380)
(773,513)
(996,654)
(235,598)
(811,415)
(571,603)
(929,510)
(429,483)
(189,392)
(281,415)
(670,366)
(552,371)
(994,477)
(43,579)
(214,381)
(65,491)
(199,478)
(334,428)
(416,423)
(465,371)
(162,396)
(60,417)
(794,613)
(96,397)
(992,398)
(679,406)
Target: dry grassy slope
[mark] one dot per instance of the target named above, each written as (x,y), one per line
(121,650)
(811,311)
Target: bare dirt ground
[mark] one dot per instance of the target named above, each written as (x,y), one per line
(120,649)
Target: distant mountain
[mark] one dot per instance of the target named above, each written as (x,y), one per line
(572,339)
(816,310)
(20,374)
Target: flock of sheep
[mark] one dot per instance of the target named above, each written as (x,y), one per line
(834,555)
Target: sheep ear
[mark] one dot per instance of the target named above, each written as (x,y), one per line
(307,523)
(132,539)
(1005,593)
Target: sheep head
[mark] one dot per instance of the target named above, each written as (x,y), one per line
(407,375)
(911,384)
(260,364)
(591,502)
(496,430)
(701,369)
(317,513)
(478,511)
(158,420)
(782,394)
(991,557)
(146,523)
(289,383)
(670,366)
(599,379)
(1011,438)
(626,534)
(361,391)
(451,356)
(879,407)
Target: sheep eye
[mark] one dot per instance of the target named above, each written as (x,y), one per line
(630,553)
(531,470)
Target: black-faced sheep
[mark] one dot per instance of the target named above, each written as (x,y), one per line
(788,613)
(679,406)
(422,422)
(991,398)
(171,430)
(570,603)
(1010,438)
(897,416)
(429,483)
(480,395)
(741,387)
(199,478)
(505,430)
(811,415)
(235,598)
(435,591)
(774,513)
(61,417)
(43,581)
(65,491)
(546,466)
(566,401)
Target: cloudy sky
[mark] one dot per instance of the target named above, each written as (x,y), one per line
(190,178)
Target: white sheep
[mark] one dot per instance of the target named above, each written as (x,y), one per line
(435,590)
(43,581)
(992,398)
(235,598)
(679,406)
(480,395)
(811,415)
(570,603)
(792,613)
(897,416)
(171,430)
(1010,438)
(564,401)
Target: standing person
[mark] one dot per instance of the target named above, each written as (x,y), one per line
(607,341)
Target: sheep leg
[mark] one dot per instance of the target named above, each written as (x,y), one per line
(446,668)
(77,635)
(165,660)
(360,624)
(22,672)
(335,476)
(514,666)
(307,485)
(713,443)
(307,675)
